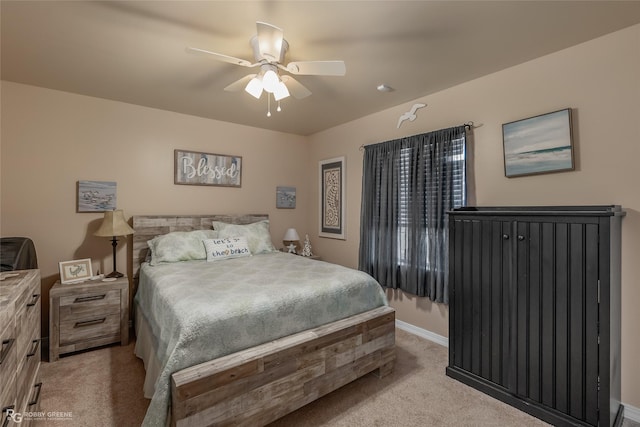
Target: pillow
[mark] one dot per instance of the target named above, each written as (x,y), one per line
(257,234)
(179,246)
(229,247)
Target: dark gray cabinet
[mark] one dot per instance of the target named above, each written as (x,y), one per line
(534,309)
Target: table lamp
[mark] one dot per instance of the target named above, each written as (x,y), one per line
(291,240)
(114,225)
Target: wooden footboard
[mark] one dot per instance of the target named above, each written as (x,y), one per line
(259,385)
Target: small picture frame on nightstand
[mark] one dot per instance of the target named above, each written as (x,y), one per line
(75,271)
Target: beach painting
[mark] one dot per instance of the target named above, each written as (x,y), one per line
(96,196)
(539,144)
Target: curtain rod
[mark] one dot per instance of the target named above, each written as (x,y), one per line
(468,125)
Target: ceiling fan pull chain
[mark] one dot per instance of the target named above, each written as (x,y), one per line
(278,109)
(268,105)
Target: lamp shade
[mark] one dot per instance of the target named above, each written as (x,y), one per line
(254,87)
(270,81)
(291,235)
(281,91)
(114,224)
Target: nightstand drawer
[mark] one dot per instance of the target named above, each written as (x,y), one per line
(88,314)
(73,329)
(90,304)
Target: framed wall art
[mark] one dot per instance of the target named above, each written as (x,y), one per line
(285,197)
(332,198)
(96,196)
(196,168)
(75,271)
(540,144)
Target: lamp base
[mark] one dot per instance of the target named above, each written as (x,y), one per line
(115,274)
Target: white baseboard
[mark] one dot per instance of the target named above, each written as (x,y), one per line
(423,333)
(630,412)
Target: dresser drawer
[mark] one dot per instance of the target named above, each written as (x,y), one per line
(89,304)
(27,372)
(20,308)
(73,330)
(9,363)
(33,404)
(8,380)
(8,398)
(28,323)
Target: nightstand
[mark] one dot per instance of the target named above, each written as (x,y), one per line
(88,314)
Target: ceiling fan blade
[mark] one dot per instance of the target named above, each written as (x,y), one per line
(269,41)
(240,84)
(221,57)
(297,90)
(318,68)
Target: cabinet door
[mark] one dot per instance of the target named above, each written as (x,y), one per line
(555,335)
(480,300)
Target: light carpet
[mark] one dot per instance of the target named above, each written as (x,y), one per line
(103,387)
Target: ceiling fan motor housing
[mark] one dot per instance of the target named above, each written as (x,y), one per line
(259,57)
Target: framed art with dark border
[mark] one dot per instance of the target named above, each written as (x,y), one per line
(285,197)
(75,271)
(332,198)
(96,196)
(540,144)
(196,168)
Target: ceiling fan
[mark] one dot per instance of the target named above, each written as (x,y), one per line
(269,50)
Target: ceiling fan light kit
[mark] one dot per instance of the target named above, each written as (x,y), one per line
(269,50)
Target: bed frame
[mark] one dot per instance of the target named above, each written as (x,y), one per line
(258,385)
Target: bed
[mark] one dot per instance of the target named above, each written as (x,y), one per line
(272,333)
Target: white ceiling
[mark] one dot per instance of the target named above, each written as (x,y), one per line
(134,51)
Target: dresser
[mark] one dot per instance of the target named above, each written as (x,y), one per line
(20,308)
(534,309)
(88,314)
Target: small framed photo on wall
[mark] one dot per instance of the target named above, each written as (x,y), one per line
(96,196)
(285,197)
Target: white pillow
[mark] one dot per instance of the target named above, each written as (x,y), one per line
(179,246)
(257,234)
(229,247)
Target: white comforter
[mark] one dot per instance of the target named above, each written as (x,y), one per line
(200,310)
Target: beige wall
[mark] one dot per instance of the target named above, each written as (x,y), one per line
(600,81)
(51,139)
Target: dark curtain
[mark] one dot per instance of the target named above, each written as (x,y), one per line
(408,186)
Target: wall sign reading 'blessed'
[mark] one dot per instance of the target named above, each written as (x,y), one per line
(195,168)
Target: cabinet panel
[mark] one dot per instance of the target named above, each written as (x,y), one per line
(555,339)
(481,327)
(530,309)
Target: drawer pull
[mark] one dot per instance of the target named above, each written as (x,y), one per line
(90,322)
(37,399)
(89,298)
(7,344)
(36,344)
(34,301)
(7,409)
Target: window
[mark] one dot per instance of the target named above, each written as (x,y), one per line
(455,198)
(408,186)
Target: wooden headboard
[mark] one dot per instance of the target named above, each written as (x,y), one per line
(149,226)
